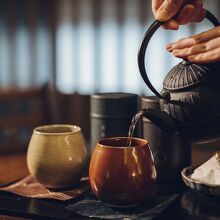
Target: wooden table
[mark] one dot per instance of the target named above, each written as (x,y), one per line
(12,167)
(190,205)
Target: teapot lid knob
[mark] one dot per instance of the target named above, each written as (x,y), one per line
(185,62)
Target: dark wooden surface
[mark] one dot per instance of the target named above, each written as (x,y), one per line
(12,167)
(189,205)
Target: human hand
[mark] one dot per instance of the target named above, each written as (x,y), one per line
(178,12)
(199,48)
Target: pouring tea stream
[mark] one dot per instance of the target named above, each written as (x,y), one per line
(134,121)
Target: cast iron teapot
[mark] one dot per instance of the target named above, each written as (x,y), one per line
(190,99)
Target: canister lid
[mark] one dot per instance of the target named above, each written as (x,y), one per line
(113,104)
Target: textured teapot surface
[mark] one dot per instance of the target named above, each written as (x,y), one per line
(194,92)
(194,98)
(186,74)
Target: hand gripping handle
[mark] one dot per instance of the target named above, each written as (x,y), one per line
(142,50)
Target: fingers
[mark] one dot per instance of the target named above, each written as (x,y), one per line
(200,48)
(185,14)
(181,44)
(168,9)
(195,39)
(208,57)
(180,11)
(197,49)
(156,5)
(184,53)
(171,24)
(199,12)
(189,13)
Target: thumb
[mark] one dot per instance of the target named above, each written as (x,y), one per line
(168,9)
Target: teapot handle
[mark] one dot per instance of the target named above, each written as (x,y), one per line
(142,50)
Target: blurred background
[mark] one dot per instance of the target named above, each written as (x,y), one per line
(55,53)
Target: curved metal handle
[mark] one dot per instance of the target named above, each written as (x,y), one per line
(142,50)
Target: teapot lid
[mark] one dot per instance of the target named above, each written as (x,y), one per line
(186,74)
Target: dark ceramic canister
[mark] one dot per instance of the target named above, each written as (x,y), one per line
(111,114)
(171,153)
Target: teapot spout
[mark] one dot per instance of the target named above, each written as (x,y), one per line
(160,118)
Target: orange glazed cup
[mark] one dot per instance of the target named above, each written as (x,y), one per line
(122,176)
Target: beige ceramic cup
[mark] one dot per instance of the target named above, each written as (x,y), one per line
(57,155)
